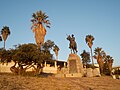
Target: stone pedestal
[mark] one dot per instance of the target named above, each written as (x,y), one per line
(75,65)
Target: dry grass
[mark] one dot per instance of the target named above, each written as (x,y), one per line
(46,82)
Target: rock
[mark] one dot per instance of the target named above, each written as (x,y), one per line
(85,72)
(64,70)
(96,72)
(89,72)
(113,76)
(119,76)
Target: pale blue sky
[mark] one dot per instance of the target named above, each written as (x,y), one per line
(100,18)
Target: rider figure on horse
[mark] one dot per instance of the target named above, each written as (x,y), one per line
(73,38)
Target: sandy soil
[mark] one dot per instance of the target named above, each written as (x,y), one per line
(15,82)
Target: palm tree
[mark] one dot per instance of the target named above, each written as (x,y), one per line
(39,22)
(109,62)
(5,32)
(56,49)
(89,40)
(85,57)
(100,56)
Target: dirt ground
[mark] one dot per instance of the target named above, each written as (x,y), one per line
(15,82)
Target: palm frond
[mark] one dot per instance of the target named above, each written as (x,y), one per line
(47,26)
(0,38)
(41,18)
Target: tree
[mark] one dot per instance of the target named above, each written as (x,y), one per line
(100,55)
(39,22)
(48,45)
(24,57)
(5,32)
(85,57)
(89,40)
(108,65)
(56,49)
(5,56)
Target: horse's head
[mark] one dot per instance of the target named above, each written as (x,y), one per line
(68,37)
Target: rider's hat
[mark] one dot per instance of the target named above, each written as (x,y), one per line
(72,35)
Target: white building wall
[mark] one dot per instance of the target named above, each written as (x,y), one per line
(6,68)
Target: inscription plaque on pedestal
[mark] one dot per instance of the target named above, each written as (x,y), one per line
(72,66)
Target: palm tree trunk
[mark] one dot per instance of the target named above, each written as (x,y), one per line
(92,57)
(56,57)
(4,44)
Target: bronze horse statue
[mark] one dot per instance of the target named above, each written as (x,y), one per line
(72,45)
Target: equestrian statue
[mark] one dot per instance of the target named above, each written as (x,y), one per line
(72,44)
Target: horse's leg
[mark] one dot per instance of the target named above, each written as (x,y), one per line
(76,47)
(74,51)
(71,51)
